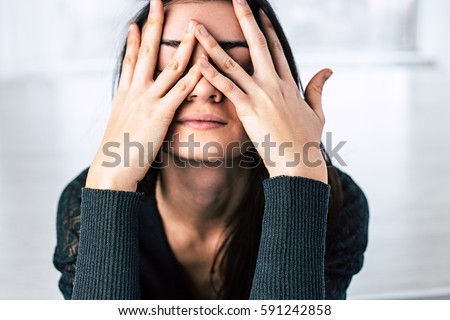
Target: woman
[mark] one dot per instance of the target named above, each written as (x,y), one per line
(157,216)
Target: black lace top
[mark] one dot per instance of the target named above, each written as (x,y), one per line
(159,276)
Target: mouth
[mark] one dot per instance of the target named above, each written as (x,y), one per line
(202,118)
(202,121)
(202,125)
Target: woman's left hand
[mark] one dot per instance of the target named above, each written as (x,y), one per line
(284,128)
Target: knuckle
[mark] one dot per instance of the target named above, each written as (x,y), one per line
(228,86)
(173,65)
(230,64)
(247,13)
(129,60)
(277,46)
(213,45)
(144,50)
(268,24)
(214,74)
(182,85)
(154,21)
(317,88)
(133,42)
(261,40)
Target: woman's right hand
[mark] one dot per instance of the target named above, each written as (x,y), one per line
(143,108)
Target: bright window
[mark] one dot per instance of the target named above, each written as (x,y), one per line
(350,25)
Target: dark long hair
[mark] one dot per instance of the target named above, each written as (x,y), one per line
(240,248)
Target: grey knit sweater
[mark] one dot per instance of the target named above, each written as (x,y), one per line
(98,234)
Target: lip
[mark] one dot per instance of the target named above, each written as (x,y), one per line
(197,117)
(202,125)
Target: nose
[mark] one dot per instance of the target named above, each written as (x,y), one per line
(204,91)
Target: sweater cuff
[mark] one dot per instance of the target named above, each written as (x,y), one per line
(107,264)
(296,191)
(292,248)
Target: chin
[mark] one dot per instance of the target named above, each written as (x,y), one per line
(207,146)
(199,159)
(200,156)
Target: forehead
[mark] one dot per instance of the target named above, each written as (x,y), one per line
(218,17)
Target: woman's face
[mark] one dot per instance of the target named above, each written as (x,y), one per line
(205,143)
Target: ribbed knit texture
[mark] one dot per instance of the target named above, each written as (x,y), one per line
(291,258)
(98,256)
(107,264)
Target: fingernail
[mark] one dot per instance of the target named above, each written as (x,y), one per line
(328,75)
(204,62)
(203,31)
(130,29)
(152,5)
(190,26)
(242,2)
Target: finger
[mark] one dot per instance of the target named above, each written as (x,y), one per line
(177,66)
(223,61)
(130,58)
(149,49)
(275,47)
(175,97)
(257,42)
(313,92)
(222,83)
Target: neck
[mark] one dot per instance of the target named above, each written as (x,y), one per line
(195,201)
(198,195)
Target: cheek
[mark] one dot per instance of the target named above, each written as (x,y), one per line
(243,59)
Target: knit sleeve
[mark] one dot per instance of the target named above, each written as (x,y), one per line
(68,233)
(290,262)
(347,242)
(108,264)
(96,250)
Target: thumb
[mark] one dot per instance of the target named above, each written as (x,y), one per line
(313,91)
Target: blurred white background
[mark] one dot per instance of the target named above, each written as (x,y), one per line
(388,98)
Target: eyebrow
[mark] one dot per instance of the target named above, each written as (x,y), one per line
(226,45)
